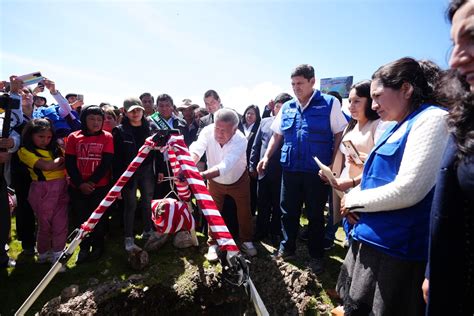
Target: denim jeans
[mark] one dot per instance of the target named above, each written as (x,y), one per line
(296,188)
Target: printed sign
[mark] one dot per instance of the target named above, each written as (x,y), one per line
(338,84)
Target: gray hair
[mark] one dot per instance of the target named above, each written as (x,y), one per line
(227,116)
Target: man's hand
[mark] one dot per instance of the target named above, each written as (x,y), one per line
(38,89)
(262,165)
(6,143)
(425,288)
(271,105)
(87,188)
(77,104)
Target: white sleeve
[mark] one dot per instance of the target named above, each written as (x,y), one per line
(64,107)
(232,158)
(199,146)
(337,119)
(417,174)
(276,125)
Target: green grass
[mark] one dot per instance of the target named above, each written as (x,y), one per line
(17,283)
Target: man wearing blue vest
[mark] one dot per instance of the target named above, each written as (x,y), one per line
(309,125)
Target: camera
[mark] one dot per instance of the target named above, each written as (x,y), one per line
(8,102)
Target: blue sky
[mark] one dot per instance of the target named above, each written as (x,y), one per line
(245,50)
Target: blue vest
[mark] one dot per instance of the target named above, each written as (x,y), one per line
(400,233)
(306,134)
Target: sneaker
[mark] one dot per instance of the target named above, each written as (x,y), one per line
(130,244)
(316,265)
(248,248)
(45,257)
(328,244)
(212,254)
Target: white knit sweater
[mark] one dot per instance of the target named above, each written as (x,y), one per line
(418,169)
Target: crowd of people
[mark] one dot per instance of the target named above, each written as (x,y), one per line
(405,199)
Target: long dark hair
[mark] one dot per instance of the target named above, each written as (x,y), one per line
(454,6)
(362,90)
(422,75)
(39,125)
(257,114)
(461,101)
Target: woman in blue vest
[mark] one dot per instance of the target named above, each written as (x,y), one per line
(383,270)
(449,283)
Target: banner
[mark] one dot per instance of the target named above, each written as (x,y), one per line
(342,85)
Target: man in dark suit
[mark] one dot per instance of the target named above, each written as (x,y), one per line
(213,103)
(269,183)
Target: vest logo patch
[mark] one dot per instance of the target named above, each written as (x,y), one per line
(318,107)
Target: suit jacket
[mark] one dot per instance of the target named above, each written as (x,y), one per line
(259,146)
(453,199)
(204,121)
(250,138)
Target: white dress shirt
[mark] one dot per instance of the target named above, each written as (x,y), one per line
(230,159)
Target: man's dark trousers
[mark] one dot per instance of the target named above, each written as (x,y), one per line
(296,188)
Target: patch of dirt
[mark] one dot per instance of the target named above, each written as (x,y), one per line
(198,289)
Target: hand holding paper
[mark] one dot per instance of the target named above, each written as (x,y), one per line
(327,172)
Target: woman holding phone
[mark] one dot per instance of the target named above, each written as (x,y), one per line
(363,130)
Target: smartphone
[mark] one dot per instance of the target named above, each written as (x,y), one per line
(80,97)
(31,78)
(352,152)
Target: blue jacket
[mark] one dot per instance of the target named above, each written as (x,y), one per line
(401,233)
(307,134)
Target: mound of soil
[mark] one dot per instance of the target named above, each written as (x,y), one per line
(199,289)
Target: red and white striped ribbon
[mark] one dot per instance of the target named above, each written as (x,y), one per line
(184,193)
(171,216)
(217,226)
(112,195)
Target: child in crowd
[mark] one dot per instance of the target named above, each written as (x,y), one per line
(48,191)
(89,154)
(111,118)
